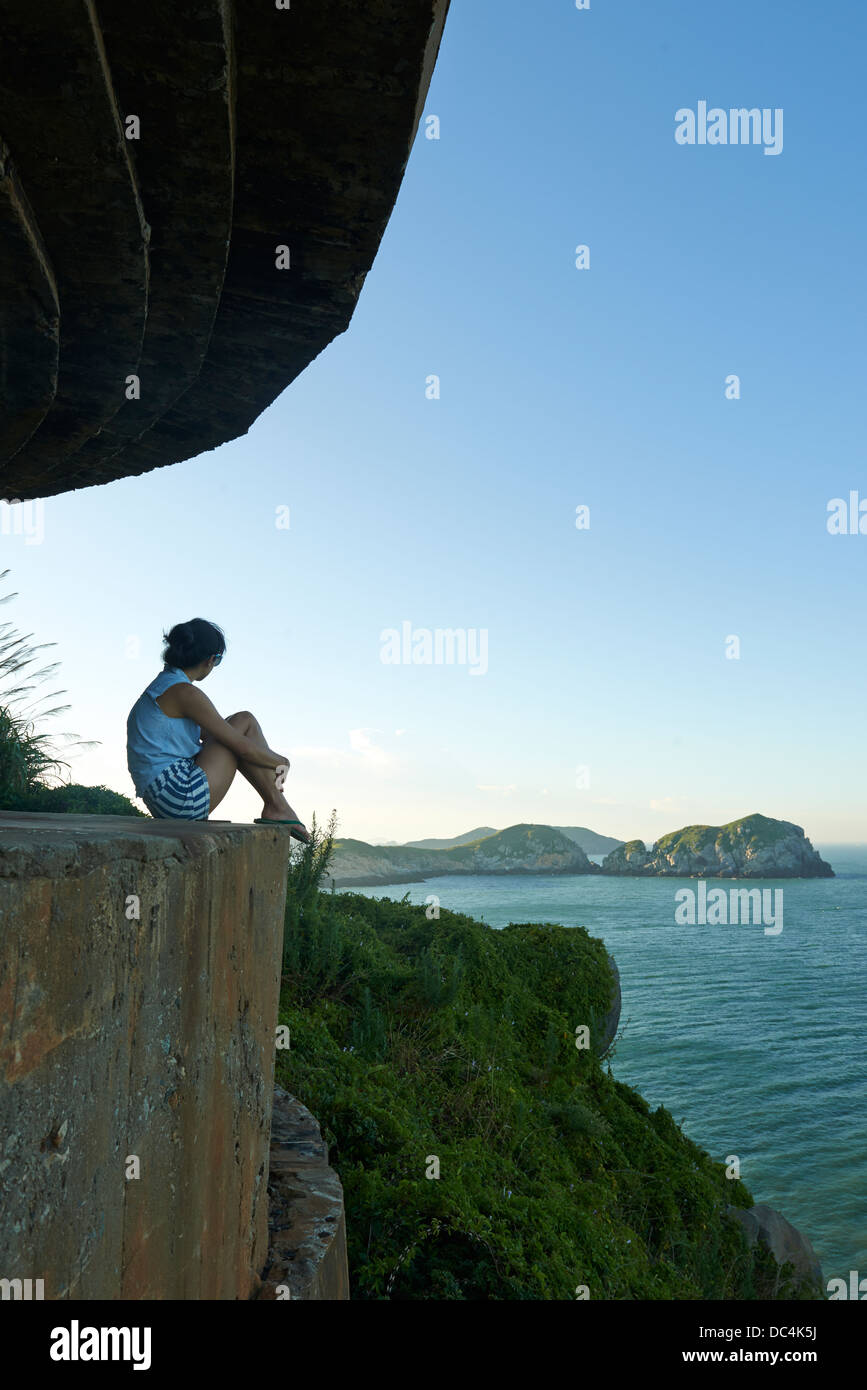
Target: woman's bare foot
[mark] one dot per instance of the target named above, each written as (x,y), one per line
(279,809)
(276,807)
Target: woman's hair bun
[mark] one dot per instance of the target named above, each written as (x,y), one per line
(188,644)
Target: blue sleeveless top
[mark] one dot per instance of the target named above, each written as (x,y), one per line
(153,739)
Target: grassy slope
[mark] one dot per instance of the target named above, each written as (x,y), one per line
(413,1037)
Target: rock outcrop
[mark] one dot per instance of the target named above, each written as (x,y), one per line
(611,1021)
(190,199)
(767,1226)
(306,1219)
(631,858)
(521,849)
(754,847)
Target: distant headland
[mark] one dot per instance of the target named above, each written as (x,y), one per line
(754,847)
(521,849)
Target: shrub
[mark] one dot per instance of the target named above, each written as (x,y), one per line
(74,799)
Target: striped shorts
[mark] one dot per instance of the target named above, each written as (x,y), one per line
(180,792)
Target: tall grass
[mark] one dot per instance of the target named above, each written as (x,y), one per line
(29,757)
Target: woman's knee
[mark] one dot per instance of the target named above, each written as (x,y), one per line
(242,719)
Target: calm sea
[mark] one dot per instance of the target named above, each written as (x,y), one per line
(754,1042)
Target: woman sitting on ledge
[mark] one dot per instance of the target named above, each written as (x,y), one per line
(182,755)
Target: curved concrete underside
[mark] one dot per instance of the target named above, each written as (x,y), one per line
(156,257)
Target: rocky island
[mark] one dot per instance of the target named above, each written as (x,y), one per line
(753,847)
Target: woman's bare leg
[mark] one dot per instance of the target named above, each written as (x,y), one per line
(264,779)
(213,759)
(219,765)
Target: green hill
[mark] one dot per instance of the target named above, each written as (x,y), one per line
(589,840)
(519,849)
(417,1039)
(470,835)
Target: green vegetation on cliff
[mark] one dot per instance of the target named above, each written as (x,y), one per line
(755,832)
(414,1038)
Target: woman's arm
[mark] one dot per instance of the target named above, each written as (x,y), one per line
(194,704)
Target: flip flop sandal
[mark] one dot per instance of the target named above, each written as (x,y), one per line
(285,822)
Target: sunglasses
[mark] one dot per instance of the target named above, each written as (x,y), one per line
(218,658)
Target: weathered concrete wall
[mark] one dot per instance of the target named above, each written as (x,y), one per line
(307,1256)
(148,1035)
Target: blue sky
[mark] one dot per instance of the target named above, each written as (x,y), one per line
(559,387)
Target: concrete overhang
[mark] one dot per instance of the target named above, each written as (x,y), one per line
(143,314)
